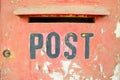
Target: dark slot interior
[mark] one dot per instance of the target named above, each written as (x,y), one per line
(61,19)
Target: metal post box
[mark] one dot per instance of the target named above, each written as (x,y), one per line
(60,40)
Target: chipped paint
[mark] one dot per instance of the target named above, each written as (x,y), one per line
(44,48)
(75,76)
(95,58)
(102,71)
(91,78)
(71,71)
(37,67)
(83,77)
(56,76)
(102,30)
(117,31)
(45,67)
(65,66)
(42,52)
(101,68)
(7,70)
(66,49)
(74,65)
(116,75)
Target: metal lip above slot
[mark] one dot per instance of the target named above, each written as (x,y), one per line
(80,10)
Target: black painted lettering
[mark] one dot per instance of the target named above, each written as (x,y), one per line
(87,41)
(49,45)
(33,46)
(72,47)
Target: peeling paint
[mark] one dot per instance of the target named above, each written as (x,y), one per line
(75,76)
(66,49)
(117,31)
(37,67)
(116,75)
(7,70)
(42,53)
(83,77)
(65,66)
(95,58)
(91,78)
(102,30)
(74,65)
(45,67)
(56,76)
(44,48)
(101,68)
(71,71)
(102,72)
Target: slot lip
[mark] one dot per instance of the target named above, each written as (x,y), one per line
(81,10)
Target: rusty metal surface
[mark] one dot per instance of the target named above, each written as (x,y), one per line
(15,32)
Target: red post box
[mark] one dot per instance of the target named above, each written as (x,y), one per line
(60,40)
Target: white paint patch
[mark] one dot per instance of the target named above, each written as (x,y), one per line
(94,67)
(65,66)
(102,71)
(45,67)
(44,47)
(37,67)
(71,78)
(71,71)
(75,77)
(42,53)
(91,78)
(101,68)
(102,30)
(117,31)
(66,49)
(83,77)
(95,58)
(116,75)
(56,76)
(74,65)
(7,70)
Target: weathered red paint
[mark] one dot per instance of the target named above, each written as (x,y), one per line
(15,32)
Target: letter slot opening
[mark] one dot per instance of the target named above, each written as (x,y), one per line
(62,19)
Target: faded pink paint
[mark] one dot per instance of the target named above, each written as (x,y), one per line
(15,32)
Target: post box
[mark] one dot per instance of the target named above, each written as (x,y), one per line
(60,40)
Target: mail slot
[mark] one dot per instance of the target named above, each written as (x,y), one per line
(60,40)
